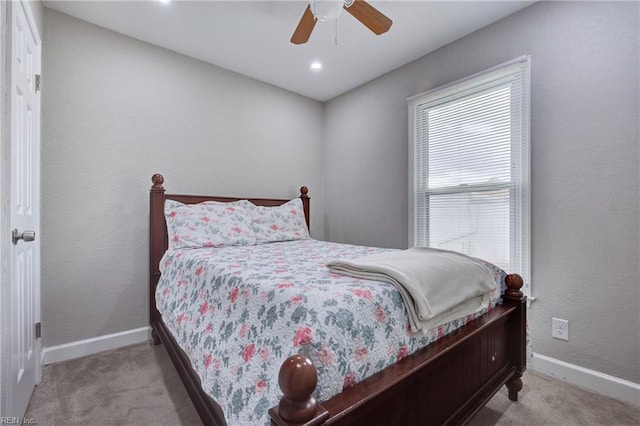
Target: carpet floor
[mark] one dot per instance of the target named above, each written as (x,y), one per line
(138,385)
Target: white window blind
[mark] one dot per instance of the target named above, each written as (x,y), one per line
(469,167)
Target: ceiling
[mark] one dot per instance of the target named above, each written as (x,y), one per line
(252,37)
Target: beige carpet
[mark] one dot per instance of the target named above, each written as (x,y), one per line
(138,385)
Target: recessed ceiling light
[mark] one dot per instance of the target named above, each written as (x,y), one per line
(164,1)
(316,65)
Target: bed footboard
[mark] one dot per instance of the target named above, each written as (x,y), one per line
(444,383)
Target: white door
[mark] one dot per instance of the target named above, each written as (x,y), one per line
(24,214)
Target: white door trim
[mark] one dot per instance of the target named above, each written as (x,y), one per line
(5,192)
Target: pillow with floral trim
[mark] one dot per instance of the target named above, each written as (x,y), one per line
(280,223)
(207,225)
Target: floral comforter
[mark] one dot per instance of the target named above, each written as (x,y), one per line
(238,312)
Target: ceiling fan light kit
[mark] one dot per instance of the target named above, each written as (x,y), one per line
(328,10)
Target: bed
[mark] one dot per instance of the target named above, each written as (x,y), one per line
(446,382)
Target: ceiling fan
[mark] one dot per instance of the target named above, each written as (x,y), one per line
(327,10)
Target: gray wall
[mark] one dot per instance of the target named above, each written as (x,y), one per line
(116,110)
(585,189)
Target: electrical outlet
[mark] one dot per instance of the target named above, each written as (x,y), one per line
(560,329)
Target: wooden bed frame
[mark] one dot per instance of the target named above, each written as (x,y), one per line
(445,383)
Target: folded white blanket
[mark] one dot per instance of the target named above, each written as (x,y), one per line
(437,286)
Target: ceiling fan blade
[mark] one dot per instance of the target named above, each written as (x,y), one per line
(371,17)
(304,28)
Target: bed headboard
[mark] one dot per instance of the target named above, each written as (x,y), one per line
(158,228)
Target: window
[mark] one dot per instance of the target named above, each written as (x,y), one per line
(469,167)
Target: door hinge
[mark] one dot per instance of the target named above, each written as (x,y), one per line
(38,82)
(38,330)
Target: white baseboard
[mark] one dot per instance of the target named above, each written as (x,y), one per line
(601,383)
(94,345)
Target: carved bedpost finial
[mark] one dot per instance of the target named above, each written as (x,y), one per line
(157,180)
(514,284)
(297,380)
(304,196)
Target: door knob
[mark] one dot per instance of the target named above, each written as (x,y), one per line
(25,236)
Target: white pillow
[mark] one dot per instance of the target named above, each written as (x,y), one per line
(207,225)
(280,223)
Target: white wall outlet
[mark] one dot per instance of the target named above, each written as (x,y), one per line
(560,329)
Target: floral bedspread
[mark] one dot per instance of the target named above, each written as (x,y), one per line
(238,312)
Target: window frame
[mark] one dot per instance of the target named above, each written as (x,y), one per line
(519,186)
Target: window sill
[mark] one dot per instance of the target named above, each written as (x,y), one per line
(530,300)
